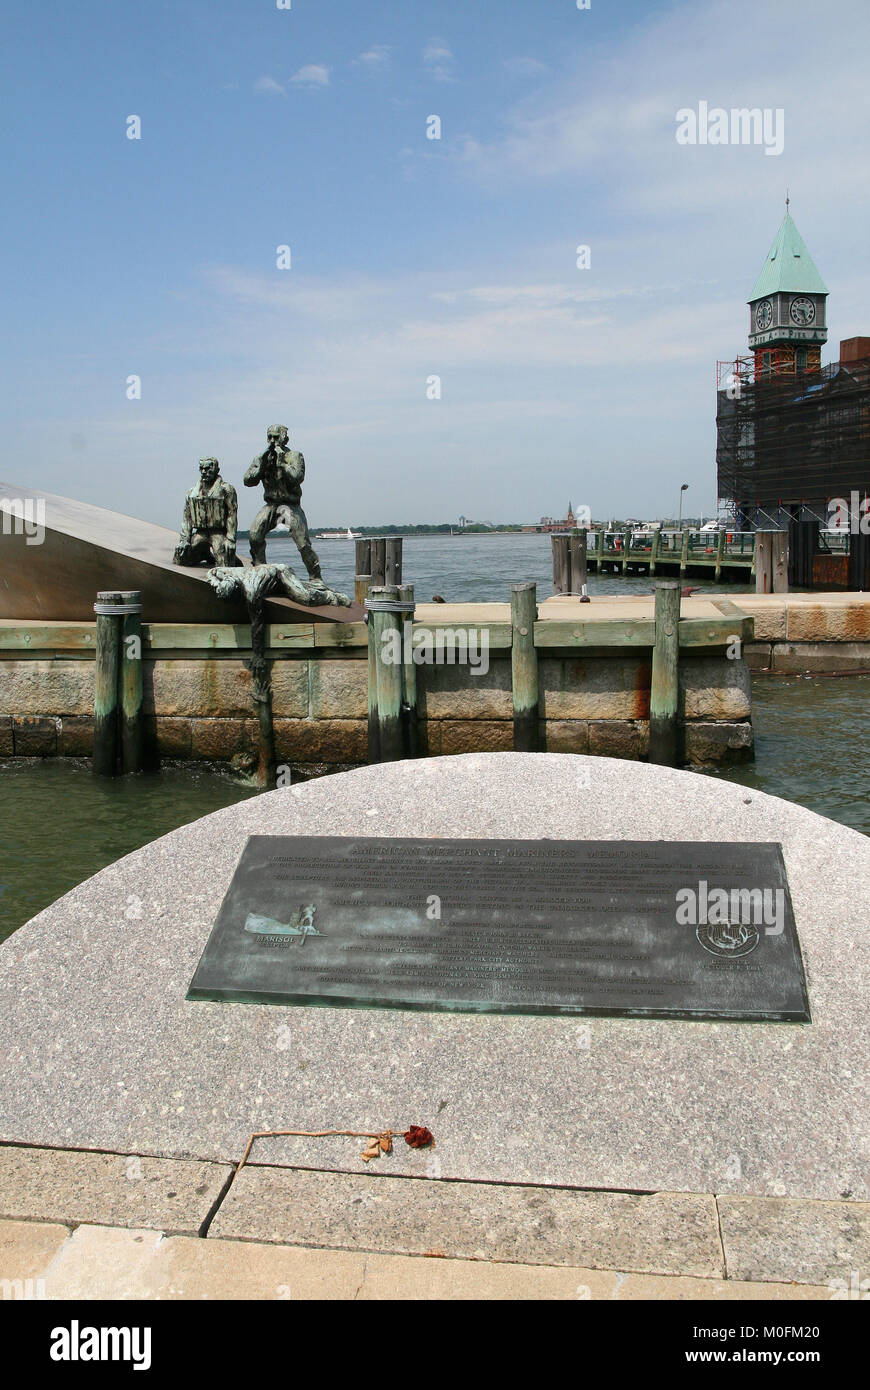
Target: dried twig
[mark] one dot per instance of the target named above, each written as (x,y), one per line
(381,1142)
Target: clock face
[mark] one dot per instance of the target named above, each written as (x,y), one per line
(802,310)
(764,315)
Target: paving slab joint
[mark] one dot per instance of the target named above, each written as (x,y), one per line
(217,1203)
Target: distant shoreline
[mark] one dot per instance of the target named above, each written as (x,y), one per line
(367,532)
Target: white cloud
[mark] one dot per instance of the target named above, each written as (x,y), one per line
(268,84)
(438,60)
(313,75)
(612,116)
(375,58)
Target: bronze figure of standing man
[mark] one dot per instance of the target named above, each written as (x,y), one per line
(281,471)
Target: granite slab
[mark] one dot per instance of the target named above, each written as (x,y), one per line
(102,1050)
(108,1189)
(660,1233)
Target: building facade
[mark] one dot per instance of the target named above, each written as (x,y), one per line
(792,435)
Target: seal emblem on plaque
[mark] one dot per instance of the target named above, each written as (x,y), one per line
(731,939)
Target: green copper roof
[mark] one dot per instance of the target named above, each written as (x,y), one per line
(789,265)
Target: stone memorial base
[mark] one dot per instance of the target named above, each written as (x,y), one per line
(660,1146)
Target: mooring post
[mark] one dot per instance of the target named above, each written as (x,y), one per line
(379,561)
(107,663)
(763,562)
(388,663)
(664,698)
(720,551)
(577,548)
(626,547)
(654,551)
(375,592)
(393,560)
(599,549)
(557,564)
(684,551)
(779,562)
(362,569)
(524,667)
(131,682)
(409,675)
(565,563)
(561,563)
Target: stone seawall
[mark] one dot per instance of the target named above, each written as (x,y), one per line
(198,699)
(594,695)
(798,634)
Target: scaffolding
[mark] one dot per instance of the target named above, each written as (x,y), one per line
(792,439)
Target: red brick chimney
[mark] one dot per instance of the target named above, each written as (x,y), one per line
(854,349)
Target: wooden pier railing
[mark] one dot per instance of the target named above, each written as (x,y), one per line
(711,554)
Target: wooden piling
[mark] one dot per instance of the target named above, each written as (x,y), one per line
(410,719)
(379,561)
(720,551)
(763,562)
(388,665)
(599,549)
(654,551)
(664,724)
(779,562)
(684,551)
(626,547)
(557,564)
(393,560)
(524,667)
(362,569)
(106,685)
(577,549)
(561,563)
(132,754)
(375,592)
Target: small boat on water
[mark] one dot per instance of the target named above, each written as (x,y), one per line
(347,535)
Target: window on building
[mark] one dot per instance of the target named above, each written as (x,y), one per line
(801,359)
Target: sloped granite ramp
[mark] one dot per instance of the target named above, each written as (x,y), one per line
(100,1050)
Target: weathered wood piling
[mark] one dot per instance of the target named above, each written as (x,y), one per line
(664,723)
(118,743)
(385,620)
(771,562)
(524,667)
(362,569)
(132,748)
(410,714)
(570,562)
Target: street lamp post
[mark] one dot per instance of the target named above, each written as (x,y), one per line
(683,488)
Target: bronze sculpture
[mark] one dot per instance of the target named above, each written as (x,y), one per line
(208,527)
(281,471)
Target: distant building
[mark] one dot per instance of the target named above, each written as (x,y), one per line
(793,436)
(549,523)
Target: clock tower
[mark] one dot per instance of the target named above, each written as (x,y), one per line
(787,308)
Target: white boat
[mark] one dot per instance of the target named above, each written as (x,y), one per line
(347,535)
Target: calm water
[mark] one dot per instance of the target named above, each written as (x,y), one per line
(59,824)
(467,569)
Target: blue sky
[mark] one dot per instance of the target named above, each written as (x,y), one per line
(410,258)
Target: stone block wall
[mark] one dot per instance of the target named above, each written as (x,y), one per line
(198,705)
(809,633)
